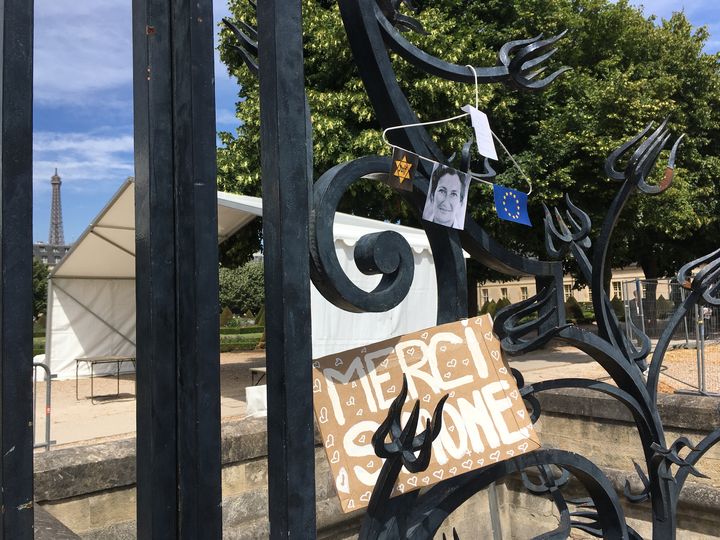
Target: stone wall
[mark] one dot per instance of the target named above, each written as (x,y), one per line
(91,489)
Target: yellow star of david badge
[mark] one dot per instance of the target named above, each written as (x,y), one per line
(402,169)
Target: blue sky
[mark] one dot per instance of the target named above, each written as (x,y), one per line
(83,99)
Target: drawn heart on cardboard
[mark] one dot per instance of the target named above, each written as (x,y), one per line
(412,481)
(452,363)
(439,474)
(317,387)
(495,455)
(342,482)
(330,442)
(467,464)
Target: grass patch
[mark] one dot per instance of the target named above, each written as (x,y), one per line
(239,342)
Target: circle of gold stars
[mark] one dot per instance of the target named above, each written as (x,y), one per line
(516,213)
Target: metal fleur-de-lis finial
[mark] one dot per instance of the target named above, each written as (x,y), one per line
(403,442)
(390,8)
(707,278)
(558,239)
(644,158)
(524,67)
(247,38)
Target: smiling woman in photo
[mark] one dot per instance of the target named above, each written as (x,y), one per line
(446,201)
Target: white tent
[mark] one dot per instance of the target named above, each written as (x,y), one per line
(91,296)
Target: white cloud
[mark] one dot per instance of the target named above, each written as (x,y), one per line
(82,50)
(85,161)
(226,117)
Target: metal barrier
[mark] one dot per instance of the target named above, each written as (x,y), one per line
(48,404)
(693,359)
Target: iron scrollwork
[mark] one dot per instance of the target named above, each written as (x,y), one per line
(374,28)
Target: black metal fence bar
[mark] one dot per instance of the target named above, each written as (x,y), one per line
(286,184)
(16,424)
(178,388)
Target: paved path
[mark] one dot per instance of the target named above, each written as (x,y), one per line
(80,421)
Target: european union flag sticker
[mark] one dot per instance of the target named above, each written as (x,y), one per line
(511,205)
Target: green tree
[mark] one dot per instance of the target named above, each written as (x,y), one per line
(243,289)
(40,287)
(627,70)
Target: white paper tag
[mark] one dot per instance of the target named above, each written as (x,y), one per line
(483,134)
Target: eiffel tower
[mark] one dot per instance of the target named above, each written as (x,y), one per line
(56,236)
(52,252)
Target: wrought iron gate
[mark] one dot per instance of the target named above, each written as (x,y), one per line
(178,456)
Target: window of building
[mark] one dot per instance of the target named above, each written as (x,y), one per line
(44,260)
(589,294)
(524,293)
(617,289)
(568,291)
(503,292)
(485,296)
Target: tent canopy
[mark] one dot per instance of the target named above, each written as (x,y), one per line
(91,296)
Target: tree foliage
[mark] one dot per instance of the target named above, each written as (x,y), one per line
(627,70)
(40,287)
(243,289)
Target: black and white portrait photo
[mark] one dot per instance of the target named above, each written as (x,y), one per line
(447,197)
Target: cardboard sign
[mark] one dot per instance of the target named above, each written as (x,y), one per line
(484,419)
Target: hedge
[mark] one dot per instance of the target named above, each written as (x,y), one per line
(242,330)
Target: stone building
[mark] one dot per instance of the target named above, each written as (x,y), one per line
(524,288)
